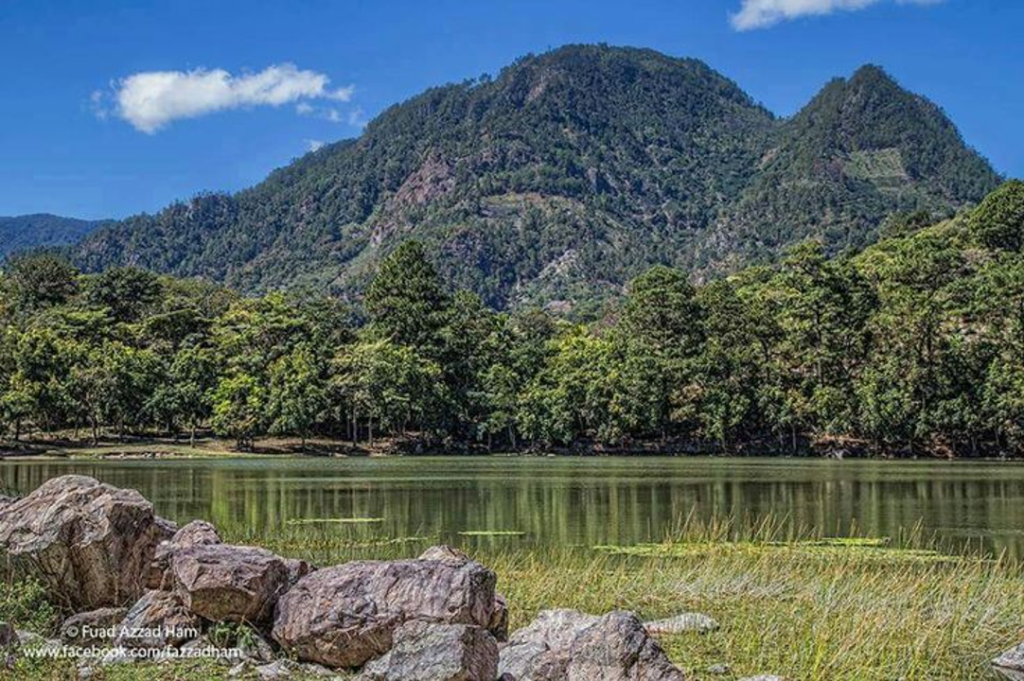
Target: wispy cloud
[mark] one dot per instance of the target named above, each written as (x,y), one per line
(151,100)
(754,14)
(314,145)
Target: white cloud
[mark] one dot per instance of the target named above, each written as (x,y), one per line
(153,99)
(314,145)
(755,14)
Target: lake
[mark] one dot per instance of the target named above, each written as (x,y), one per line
(568,501)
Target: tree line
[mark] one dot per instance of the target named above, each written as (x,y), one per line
(914,345)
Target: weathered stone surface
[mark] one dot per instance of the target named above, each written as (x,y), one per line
(220,582)
(297,569)
(90,543)
(565,644)
(165,529)
(195,533)
(92,627)
(346,615)
(498,626)
(445,553)
(540,650)
(425,651)
(686,622)
(1011,663)
(617,648)
(157,620)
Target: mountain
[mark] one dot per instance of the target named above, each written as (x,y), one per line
(564,176)
(861,149)
(32,231)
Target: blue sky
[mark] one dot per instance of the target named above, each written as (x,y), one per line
(116,108)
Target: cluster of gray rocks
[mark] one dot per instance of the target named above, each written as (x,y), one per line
(104,554)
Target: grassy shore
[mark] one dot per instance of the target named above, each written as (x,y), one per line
(803,607)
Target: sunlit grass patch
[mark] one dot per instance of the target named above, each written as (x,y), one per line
(492,533)
(860,550)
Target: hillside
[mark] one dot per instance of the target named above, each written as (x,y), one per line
(31,231)
(564,176)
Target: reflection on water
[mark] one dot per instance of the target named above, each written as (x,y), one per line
(570,501)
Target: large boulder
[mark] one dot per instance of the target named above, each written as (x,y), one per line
(618,648)
(498,626)
(95,627)
(234,583)
(345,615)
(424,651)
(90,543)
(195,533)
(540,650)
(157,620)
(566,644)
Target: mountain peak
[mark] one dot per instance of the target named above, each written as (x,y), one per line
(566,175)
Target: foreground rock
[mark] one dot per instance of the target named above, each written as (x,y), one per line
(540,650)
(159,619)
(424,651)
(91,544)
(1011,663)
(566,644)
(221,583)
(346,615)
(617,647)
(297,569)
(498,626)
(195,533)
(92,627)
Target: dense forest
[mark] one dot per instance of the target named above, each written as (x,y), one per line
(914,345)
(566,175)
(24,232)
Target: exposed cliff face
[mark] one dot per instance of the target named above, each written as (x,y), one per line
(566,175)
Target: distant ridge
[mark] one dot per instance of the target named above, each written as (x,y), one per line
(24,232)
(567,174)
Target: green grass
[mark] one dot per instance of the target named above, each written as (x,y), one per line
(807,607)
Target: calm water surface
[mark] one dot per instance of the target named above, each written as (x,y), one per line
(570,501)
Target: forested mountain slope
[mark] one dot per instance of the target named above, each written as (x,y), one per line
(566,175)
(30,231)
